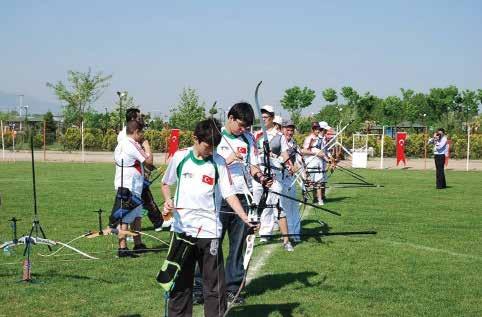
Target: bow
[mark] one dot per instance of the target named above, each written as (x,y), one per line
(36,240)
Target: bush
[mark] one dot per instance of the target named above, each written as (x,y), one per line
(71,139)
(110,140)
(38,141)
(414,145)
(185,139)
(92,142)
(155,140)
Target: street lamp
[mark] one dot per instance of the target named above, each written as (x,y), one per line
(121,95)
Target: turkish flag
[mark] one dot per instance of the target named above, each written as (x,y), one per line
(173,144)
(242,150)
(401,136)
(208,180)
(447,156)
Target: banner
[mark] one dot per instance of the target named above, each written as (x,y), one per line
(173,144)
(447,156)
(401,136)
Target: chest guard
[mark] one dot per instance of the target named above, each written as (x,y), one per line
(275,144)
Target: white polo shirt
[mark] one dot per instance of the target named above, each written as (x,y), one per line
(200,185)
(129,154)
(244,144)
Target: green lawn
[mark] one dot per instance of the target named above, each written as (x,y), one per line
(426,259)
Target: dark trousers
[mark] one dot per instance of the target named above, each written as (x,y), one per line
(209,255)
(153,212)
(439,166)
(237,232)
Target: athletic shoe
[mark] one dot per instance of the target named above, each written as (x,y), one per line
(321,203)
(140,248)
(167,224)
(263,240)
(158,229)
(288,247)
(126,253)
(238,300)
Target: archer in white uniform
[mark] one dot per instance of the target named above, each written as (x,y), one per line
(201,179)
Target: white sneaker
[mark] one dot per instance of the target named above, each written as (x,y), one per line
(263,240)
(320,203)
(167,224)
(159,229)
(288,247)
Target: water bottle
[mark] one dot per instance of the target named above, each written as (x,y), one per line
(6,251)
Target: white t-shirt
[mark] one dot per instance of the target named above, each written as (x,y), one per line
(200,185)
(245,145)
(129,154)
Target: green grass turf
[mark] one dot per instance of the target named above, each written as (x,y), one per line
(426,259)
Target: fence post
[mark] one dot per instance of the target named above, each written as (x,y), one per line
(45,154)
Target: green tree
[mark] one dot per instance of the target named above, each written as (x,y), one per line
(329,94)
(50,127)
(85,89)
(188,112)
(124,102)
(296,99)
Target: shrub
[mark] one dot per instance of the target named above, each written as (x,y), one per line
(92,142)
(109,141)
(71,139)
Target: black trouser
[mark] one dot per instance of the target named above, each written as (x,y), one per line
(439,165)
(153,212)
(237,232)
(209,256)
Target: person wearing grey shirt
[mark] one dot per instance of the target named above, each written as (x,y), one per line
(440,150)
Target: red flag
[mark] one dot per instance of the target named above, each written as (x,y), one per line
(447,156)
(401,136)
(208,180)
(173,144)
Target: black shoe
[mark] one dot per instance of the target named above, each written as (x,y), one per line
(140,248)
(197,298)
(126,253)
(315,200)
(238,300)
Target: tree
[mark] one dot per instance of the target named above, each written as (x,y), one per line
(296,99)
(85,89)
(329,94)
(187,113)
(50,127)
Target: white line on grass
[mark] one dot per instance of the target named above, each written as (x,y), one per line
(260,261)
(430,249)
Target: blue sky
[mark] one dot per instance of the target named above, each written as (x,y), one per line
(222,48)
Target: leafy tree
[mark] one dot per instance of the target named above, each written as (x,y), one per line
(392,110)
(50,127)
(350,95)
(84,90)
(329,94)
(296,99)
(187,113)
(441,101)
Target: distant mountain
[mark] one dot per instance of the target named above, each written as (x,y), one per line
(9,101)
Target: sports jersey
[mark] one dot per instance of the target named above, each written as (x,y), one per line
(244,144)
(129,158)
(200,185)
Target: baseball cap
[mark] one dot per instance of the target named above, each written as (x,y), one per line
(268,108)
(324,125)
(278,120)
(288,123)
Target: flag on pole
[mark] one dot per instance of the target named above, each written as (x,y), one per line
(173,144)
(401,136)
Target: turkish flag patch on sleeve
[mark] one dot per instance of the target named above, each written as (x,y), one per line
(208,180)
(242,150)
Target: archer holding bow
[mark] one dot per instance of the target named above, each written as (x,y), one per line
(201,179)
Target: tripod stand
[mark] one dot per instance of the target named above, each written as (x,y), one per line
(36,226)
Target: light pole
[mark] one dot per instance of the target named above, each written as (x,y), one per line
(121,95)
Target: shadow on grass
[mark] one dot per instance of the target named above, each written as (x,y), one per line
(130,315)
(285,310)
(270,282)
(331,200)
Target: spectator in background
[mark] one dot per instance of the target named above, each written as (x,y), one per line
(440,150)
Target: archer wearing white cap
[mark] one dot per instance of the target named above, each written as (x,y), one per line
(324,154)
(269,215)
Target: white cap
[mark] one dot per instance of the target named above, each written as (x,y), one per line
(324,125)
(278,120)
(268,108)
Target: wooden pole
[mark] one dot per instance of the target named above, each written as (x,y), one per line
(3,142)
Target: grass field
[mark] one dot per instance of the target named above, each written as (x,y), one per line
(426,259)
